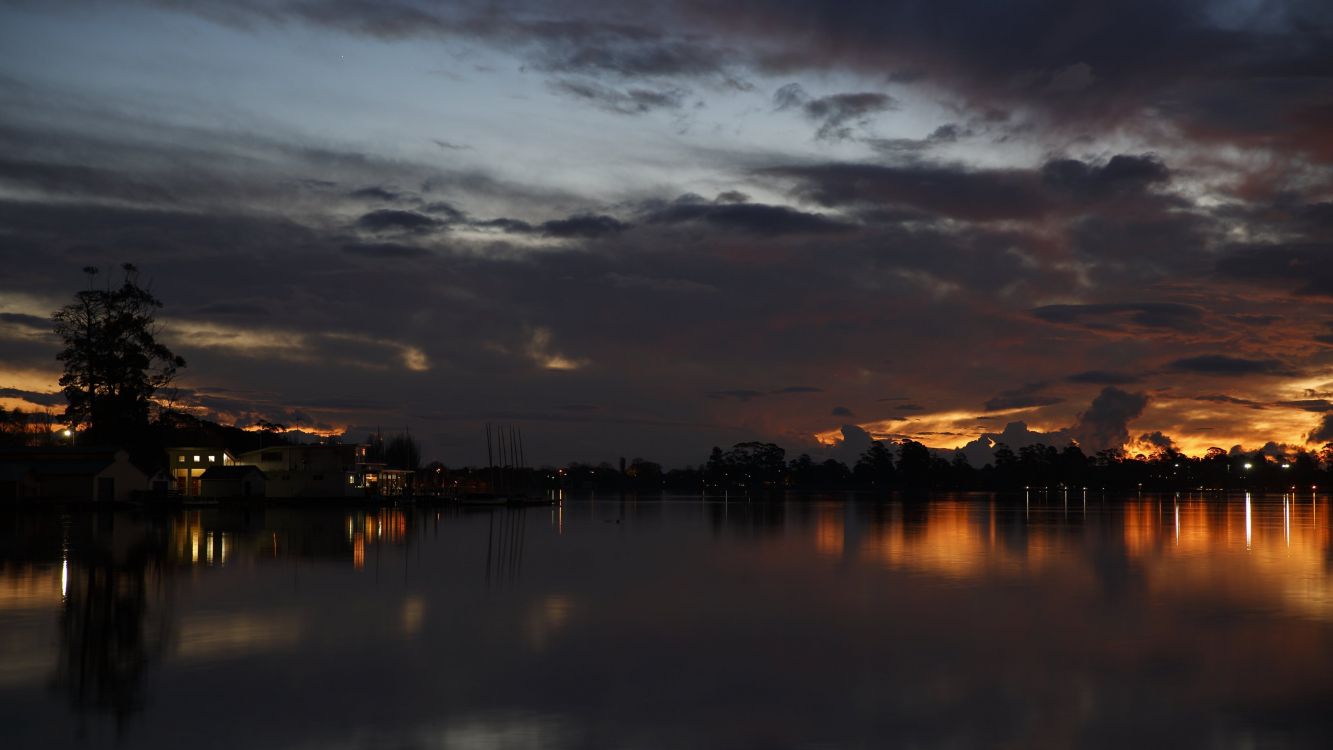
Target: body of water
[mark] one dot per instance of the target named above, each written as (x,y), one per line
(1049,620)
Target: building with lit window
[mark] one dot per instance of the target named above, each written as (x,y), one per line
(187,467)
(308,471)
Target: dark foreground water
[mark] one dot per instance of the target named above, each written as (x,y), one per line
(961,622)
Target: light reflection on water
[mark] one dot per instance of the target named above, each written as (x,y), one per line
(1045,620)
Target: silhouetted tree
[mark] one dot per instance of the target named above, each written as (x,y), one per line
(756,464)
(914,464)
(402,452)
(875,466)
(113,362)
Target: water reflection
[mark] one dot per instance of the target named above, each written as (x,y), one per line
(1048,620)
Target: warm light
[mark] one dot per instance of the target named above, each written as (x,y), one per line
(1249,466)
(1286,466)
(64,577)
(1247,520)
(68,433)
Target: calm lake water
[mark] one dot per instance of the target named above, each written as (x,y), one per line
(1052,621)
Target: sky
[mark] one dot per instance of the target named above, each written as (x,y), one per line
(644,229)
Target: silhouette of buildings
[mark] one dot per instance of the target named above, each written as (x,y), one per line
(102,474)
(239,480)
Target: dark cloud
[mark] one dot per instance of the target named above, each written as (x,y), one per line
(632,101)
(583,225)
(388,220)
(944,134)
(376,193)
(798,389)
(22,320)
(1105,425)
(1224,399)
(1316,405)
(41,399)
(973,194)
(1323,432)
(1157,440)
(738,394)
(1027,396)
(836,114)
(450,213)
(508,225)
(755,218)
(1253,75)
(1301,268)
(1104,377)
(841,411)
(1221,364)
(448,146)
(384,250)
(956,192)
(1115,316)
(1122,174)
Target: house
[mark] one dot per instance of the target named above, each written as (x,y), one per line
(101,474)
(239,480)
(188,464)
(324,471)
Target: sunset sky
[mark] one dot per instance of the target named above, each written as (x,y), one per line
(644,229)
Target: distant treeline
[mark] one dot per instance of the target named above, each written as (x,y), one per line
(757,467)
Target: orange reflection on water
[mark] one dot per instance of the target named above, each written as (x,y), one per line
(953,538)
(1270,552)
(1259,549)
(29,587)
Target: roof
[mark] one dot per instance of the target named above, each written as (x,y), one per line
(71,465)
(240,471)
(69,468)
(14,472)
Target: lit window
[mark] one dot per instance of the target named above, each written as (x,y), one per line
(180,459)
(212,459)
(196,459)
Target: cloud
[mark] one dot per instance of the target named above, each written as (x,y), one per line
(1224,365)
(836,114)
(1122,174)
(584,226)
(942,135)
(388,220)
(376,193)
(539,350)
(1060,187)
(754,218)
(1155,442)
(1104,377)
(384,250)
(736,394)
(1301,267)
(1323,432)
(632,101)
(42,399)
(841,411)
(1116,316)
(1024,397)
(1223,399)
(1105,425)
